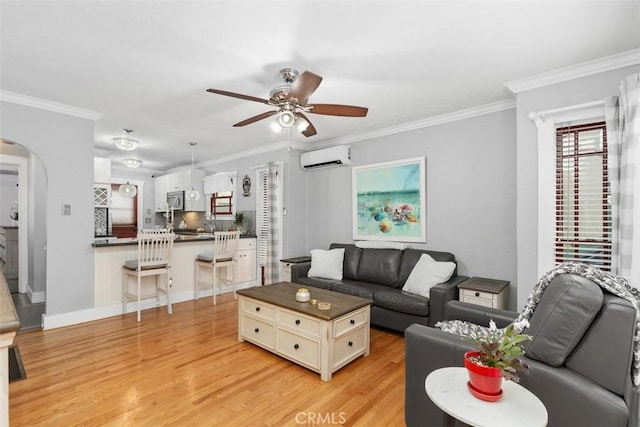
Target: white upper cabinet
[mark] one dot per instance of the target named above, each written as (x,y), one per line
(102,170)
(180,181)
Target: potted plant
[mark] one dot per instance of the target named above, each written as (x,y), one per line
(238,222)
(497,356)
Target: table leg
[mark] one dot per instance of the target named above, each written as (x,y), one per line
(448,420)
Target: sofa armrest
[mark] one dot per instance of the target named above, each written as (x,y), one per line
(427,349)
(439,295)
(299,270)
(474,313)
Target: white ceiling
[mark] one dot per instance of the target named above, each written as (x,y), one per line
(146,65)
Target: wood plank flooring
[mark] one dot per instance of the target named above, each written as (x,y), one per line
(188,369)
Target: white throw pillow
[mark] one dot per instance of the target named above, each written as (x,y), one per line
(426,273)
(327,264)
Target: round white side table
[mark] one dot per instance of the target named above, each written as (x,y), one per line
(447,388)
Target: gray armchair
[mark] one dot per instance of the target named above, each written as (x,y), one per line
(579,359)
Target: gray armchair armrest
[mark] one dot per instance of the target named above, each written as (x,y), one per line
(439,295)
(473,313)
(299,270)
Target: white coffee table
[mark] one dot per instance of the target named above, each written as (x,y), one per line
(447,388)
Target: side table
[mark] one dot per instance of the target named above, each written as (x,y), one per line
(486,292)
(447,388)
(286,264)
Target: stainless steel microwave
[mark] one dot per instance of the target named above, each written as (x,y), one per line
(175,200)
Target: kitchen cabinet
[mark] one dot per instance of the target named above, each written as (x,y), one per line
(9,251)
(101,182)
(247,260)
(102,170)
(180,181)
(160,189)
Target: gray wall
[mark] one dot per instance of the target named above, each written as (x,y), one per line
(574,92)
(65,146)
(471,192)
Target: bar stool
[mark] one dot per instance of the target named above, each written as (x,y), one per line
(154,251)
(225,248)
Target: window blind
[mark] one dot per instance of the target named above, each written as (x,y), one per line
(583,210)
(262,218)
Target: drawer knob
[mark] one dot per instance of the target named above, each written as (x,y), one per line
(296,346)
(297,321)
(350,344)
(256,330)
(477,294)
(353,322)
(257,308)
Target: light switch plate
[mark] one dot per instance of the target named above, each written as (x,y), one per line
(66,209)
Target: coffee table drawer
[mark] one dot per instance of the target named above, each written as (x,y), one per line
(348,346)
(258,309)
(351,321)
(258,332)
(299,323)
(299,348)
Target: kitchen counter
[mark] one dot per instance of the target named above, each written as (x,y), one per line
(180,238)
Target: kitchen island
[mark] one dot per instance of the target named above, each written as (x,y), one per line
(110,256)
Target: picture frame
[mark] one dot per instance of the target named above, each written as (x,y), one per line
(389,201)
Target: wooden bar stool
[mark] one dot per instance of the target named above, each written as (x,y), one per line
(225,248)
(154,251)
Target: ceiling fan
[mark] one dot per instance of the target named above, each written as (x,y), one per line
(291,102)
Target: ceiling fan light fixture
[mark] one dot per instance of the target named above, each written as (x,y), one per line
(286,119)
(302,125)
(132,163)
(128,190)
(124,142)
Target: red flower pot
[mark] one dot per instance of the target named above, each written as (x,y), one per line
(484,380)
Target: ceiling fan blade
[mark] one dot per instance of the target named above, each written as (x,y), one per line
(256,118)
(304,86)
(310,130)
(336,110)
(238,95)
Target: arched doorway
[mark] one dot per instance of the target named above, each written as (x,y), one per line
(21,168)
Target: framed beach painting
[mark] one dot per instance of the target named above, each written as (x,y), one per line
(389,201)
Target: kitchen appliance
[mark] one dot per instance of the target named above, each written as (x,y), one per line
(175,200)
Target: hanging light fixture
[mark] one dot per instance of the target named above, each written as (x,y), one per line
(286,119)
(128,190)
(192,194)
(125,143)
(132,163)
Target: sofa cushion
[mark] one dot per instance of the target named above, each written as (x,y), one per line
(351,259)
(326,264)
(359,289)
(379,266)
(410,258)
(565,311)
(316,282)
(402,302)
(427,273)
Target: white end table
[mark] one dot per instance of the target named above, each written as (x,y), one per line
(447,388)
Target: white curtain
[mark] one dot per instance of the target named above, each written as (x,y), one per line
(623,138)
(274,180)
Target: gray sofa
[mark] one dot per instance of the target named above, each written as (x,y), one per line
(379,274)
(579,359)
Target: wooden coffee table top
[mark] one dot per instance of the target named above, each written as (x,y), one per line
(283,294)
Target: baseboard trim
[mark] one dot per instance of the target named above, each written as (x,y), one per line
(35,297)
(90,314)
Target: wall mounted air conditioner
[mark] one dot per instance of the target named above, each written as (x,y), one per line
(332,156)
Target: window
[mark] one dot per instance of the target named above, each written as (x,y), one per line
(222,203)
(124,213)
(583,210)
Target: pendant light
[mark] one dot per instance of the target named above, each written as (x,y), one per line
(128,190)
(125,143)
(192,194)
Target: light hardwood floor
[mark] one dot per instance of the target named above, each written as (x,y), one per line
(188,369)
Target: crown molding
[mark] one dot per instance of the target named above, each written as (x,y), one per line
(601,65)
(420,124)
(43,104)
